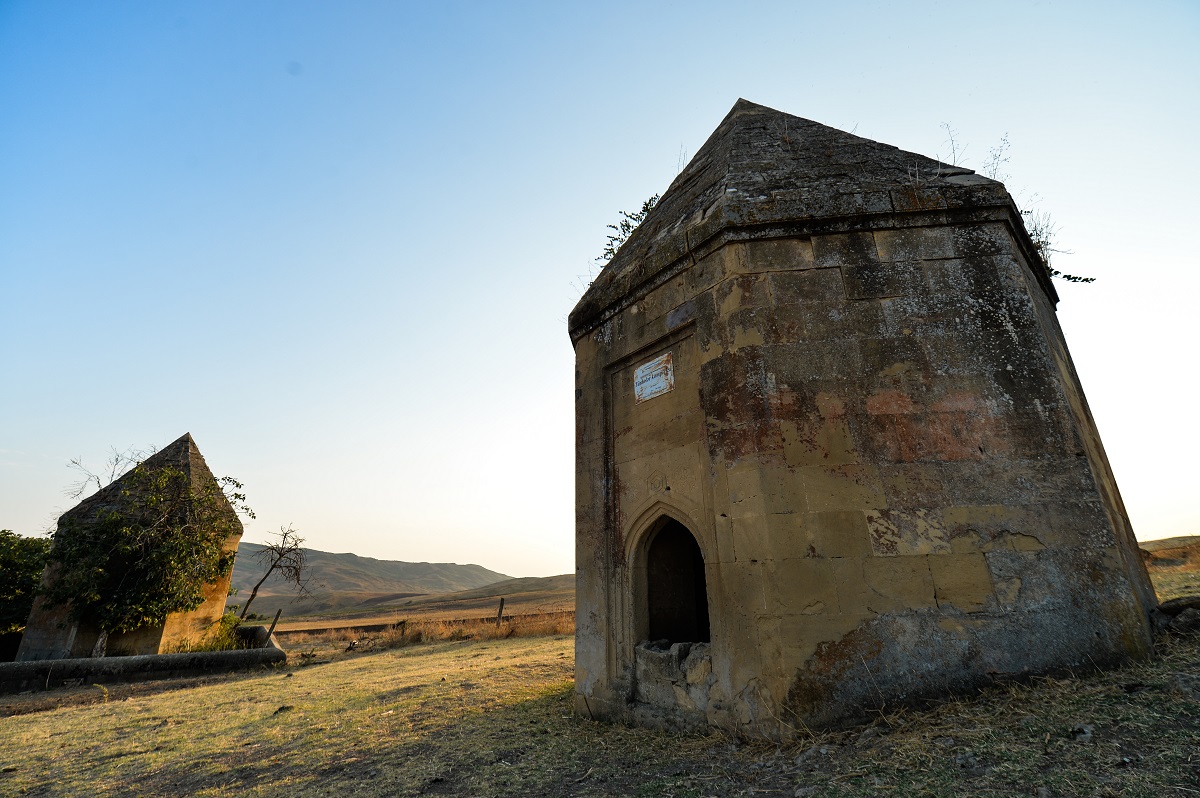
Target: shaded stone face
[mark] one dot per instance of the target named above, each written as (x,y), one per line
(874,438)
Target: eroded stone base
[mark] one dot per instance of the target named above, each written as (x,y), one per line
(671,685)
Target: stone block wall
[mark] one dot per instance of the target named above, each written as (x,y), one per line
(51,633)
(879,442)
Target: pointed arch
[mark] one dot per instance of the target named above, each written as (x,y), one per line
(676,588)
(670,585)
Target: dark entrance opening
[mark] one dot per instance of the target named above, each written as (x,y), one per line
(675,591)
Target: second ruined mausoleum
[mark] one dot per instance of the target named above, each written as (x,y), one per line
(52,633)
(832,452)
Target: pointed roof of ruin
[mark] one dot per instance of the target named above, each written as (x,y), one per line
(181,453)
(763,168)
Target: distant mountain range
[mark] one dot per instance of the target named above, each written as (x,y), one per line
(342,580)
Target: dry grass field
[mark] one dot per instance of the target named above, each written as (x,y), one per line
(368,724)
(312,645)
(524,596)
(1174,565)
(492,717)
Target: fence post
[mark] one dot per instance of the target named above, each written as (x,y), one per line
(500,612)
(271,631)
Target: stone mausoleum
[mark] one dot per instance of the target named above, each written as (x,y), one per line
(50,632)
(832,453)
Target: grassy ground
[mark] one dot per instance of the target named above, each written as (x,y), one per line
(530,595)
(474,718)
(434,610)
(1173,583)
(493,717)
(311,645)
(375,724)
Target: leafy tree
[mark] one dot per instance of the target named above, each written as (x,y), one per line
(145,546)
(22,560)
(624,228)
(285,557)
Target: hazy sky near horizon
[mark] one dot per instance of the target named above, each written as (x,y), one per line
(338,242)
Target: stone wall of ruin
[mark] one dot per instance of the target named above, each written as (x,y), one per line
(879,441)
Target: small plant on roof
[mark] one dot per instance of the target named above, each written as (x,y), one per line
(624,228)
(1043,232)
(1042,229)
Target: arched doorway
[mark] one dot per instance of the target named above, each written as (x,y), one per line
(676,595)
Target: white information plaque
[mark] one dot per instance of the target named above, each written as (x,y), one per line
(653,378)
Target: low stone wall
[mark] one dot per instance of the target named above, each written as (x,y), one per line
(48,674)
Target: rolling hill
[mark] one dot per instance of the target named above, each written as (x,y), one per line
(1174,565)
(522,596)
(346,580)
(1180,552)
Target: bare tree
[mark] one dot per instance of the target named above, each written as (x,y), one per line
(115,466)
(285,556)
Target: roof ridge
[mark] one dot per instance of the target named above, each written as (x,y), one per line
(181,452)
(762,167)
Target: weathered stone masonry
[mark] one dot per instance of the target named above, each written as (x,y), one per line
(51,634)
(876,445)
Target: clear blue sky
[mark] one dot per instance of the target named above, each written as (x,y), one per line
(337,242)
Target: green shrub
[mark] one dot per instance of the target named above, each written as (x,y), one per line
(22,561)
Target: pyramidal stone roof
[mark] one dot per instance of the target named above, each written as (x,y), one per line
(762,168)
(181,453)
